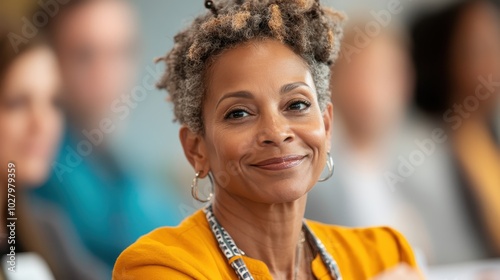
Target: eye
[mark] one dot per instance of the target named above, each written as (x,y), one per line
(236,114)
(299,105)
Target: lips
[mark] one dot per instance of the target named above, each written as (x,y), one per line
(280,163)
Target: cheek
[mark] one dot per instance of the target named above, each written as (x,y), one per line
(227,149)
(13,127)
(313,133)
(317,141)
(54,126)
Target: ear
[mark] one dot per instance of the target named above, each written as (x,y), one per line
(328,121)
(195,150)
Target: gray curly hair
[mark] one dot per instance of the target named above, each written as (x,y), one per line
(313,32)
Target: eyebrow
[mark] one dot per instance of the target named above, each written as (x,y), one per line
(289,87)
(248,95)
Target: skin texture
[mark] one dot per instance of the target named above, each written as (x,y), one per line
(30,118)
(260,208)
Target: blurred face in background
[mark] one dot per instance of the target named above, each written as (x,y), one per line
(96,44)
(30,117)
(371,88)
(475,52)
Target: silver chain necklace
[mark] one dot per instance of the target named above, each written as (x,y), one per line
(298,251)
(234,255)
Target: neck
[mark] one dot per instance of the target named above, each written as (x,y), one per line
(91,124)
(267,232)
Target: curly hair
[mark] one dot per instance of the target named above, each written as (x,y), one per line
(313,32)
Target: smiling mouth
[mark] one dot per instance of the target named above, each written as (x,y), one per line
(280,163)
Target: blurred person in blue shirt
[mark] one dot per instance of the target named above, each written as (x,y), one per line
(33,245)
(109,204)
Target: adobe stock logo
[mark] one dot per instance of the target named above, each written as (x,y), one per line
(455,118)
(30,28)
(364,35)
(119,109)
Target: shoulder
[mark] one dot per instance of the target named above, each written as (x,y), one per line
(168,252)
(384,244)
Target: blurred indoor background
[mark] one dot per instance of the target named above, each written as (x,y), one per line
(417,144)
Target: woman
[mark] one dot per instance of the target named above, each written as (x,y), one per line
(457,89)
(249,83)
(30,121)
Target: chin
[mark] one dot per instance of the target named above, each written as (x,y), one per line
(34,174)
(285,191)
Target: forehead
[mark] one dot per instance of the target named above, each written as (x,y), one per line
(257,63)
(97,21)
(34,70)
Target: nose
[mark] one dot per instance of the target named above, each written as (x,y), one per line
(36,122)
(274,130)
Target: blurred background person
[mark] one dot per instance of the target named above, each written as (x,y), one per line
(31,122)
(371,87)
(431,188)
(456,53)
(109,204)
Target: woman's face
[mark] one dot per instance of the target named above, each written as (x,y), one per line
(30,118)
(476,51)
(372,87)
(265,137)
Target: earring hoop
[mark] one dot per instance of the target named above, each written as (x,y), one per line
(194,188)
(331,168)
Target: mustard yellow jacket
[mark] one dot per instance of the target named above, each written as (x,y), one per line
(190,251)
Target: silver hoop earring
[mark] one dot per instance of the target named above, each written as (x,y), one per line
(331,167)
(194,187)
